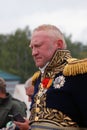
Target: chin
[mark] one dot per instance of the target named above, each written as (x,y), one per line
(39,65)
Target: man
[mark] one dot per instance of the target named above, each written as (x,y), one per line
(9,106)
(60,91)
(29,85)
(29,89)
(61,101)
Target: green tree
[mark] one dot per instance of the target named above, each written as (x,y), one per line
(77,49)
(16,54)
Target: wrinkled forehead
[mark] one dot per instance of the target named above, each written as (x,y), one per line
(39,36)
(42,32)
(42,35)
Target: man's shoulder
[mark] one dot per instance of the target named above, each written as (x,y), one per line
(18,103)
(75,67)
(35,77)
(16,100)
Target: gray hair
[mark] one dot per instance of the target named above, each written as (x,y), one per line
(54,31)
(28,83)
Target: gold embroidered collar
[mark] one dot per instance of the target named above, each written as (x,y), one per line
(57,63)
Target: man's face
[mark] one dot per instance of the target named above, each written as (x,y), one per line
(43,48)
(29,92)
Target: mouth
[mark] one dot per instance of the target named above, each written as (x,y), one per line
(37,59)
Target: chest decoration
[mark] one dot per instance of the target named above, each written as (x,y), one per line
(46,82)
(59,82)
(44,85)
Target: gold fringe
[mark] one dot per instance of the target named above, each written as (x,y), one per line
(75,67)
(35,76)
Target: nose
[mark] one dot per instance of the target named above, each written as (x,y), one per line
(34,51)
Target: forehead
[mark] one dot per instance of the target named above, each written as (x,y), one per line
(40,33)
(39,36)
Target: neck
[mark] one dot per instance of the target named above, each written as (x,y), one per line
(43,68)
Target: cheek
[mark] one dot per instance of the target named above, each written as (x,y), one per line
(51,51)
(47,55)
(47,52)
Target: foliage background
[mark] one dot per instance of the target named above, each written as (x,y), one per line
(15,54)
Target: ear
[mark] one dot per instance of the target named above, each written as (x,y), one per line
(60,44)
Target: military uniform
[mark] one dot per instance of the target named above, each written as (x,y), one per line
(60,95)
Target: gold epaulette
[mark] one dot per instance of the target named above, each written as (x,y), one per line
(75,66)
(35,76)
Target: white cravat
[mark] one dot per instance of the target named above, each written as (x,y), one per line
(42,69)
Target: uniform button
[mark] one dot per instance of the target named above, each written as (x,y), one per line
(39,93)
(38,101)
(36,118)
(37,109)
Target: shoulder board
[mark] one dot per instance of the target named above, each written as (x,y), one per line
(35,77)
(75,66)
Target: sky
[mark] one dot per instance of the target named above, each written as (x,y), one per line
(70,16)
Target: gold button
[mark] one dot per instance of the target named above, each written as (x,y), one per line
(39,93)
(38,101)
(37,109)
(41,85)
(36,118)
